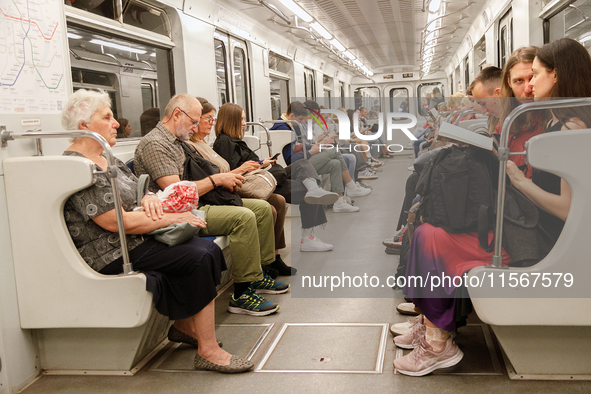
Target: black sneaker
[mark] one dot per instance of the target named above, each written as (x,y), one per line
(269,270)
(283,269)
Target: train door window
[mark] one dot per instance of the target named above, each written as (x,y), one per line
(240,77)
(137,76)
(233,72)
(457,80)
(505,38)
(327,83)
(342,88)
(221,72)
(279,77)
(309,84)
(399,100)
(368,97)
(429,95)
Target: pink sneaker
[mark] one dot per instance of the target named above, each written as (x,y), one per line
(423,360)
(412,339)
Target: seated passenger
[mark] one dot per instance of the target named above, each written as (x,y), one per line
(229,129)
(560,69)
(327,161)
(182,278)
(250,227)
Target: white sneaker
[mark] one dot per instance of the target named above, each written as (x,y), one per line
(411,168)
(314,244)
(320,197)
(342,206)
(357,192)
(365,175)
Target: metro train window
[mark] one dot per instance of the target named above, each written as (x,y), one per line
(429,95)
(144,16)
(573,22)
(368,97)
(399,100)
(222,75)
(279,64)
(342,87)
(136,76)
(131,12)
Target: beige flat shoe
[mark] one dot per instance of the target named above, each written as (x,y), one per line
(236,365)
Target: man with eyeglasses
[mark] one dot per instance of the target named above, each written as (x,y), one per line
(250,227)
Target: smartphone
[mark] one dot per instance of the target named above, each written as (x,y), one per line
(244,173)
(276,155)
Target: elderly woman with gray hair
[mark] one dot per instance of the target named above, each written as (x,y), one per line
(182,278)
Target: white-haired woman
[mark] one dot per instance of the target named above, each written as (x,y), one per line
(182,278)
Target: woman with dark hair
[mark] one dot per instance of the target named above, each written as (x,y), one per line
(560,69)
(229,130)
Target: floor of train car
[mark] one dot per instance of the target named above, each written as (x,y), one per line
(352,350)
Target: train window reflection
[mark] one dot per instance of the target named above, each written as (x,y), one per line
(279,64)
(574,22)
(136,75)
(144,16)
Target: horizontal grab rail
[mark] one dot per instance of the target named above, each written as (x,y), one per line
(111,173)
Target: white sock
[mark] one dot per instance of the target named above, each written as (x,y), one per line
(307,233)
(310,183)
(351,185)
(340,201)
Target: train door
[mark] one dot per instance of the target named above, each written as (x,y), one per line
(232,68)
(505,38)
(279,77)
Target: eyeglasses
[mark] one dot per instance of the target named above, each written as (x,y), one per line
(195,122)
(208,119)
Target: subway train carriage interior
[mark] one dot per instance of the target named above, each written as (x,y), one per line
(266,196)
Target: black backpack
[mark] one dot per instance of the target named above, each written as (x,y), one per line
(458,191)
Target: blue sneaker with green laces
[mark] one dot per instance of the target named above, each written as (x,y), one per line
(250,303)
(269,286)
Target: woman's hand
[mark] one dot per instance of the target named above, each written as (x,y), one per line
(152,206)
(188,217)
(247,166)
(268,161)
(515,174)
